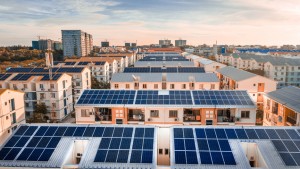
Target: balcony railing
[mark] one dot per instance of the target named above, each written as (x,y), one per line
(137,117)
(226,119)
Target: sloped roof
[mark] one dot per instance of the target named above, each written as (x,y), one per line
(235,74)
(288,96)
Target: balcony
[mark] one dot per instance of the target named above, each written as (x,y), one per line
(136,115)
(226,119)
(291,120)
(191,115)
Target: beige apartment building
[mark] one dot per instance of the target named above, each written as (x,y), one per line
(165,81)
(236,79)
(12,112)
(282,107)
(165,107)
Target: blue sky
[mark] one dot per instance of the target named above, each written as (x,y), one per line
(270,22)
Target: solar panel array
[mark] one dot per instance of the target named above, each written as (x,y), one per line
(44,70)
(83,63)
(107,97)
(39,143)
(222,97)
(100,63)
(70,63)
(116,142)
(24,77)
(172,98)
(211,145)
(168,97)
(167,70)
(164,58)
(4,76)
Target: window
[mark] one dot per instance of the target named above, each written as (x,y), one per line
(144,86)
(52,86)
(245,114)
(209,114)
(200,86)
(12,105)
(15,86)
(0,85)
(52,95)
(172,86)
(254,84)
(154,113)
(25,86)
(77,83)
(212,86)
(127,86)
(77,91)
(85,113)
(173,113)
(166,151)
(116,86)
(42,86)
(64,83)
(14,118)
(183,86)
(160,151)
(155,86)
(53,105)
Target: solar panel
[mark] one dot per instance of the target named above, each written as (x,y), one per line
(107,97)
(4,76)
(167,70)
(170,98)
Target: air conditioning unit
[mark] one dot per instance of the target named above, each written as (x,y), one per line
(49,90)
(23,89)
(176,119)
(149,119)
(237,119)
(42,89)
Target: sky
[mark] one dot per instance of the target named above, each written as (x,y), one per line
(232,22)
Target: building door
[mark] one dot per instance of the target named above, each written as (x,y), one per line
(163,146)
(119,121)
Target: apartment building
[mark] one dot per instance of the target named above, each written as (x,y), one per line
(284,70)
(76,43)
(166,107)
(236,79)
(209,66)
(282,107)
(114,64)
(55,93)
(129,58)
(163,64)
(99,69)
(81,76)
(12,112)
(165,81)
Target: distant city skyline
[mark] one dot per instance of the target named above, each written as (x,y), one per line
(232,22)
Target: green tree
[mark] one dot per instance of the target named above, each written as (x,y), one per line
(99,85)
(39,114)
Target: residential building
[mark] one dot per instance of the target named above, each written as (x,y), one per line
(164,81)
(57,45)
(81,76)
(180,42)
(76,43)
(165,42)
(55,93)
(12,112)
(236,79)
(46,44)
(282,107)
(148,147)
(105,44)
(35,44)
(163,64)
(209,66)
(104,67)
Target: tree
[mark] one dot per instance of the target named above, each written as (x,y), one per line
(39,114)
(99,85)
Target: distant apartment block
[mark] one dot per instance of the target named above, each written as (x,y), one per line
(105,44)
(12,112)
(282,107)
(165,81)
(180,42)
(282,69)
(165,42)
(76,43)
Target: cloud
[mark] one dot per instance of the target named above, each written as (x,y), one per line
(230,21)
